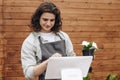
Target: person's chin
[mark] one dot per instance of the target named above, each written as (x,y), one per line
(47,30)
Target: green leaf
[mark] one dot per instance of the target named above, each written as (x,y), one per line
(113,77)
(86,78)
(108,77)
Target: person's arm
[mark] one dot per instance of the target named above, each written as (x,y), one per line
(70,50)
(29,63)
(28,59)
(40,68)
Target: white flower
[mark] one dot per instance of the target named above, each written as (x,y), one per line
(89,45)
(85,43)
(94,45)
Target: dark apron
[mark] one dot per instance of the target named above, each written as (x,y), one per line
(48,49)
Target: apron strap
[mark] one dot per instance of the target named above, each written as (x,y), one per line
(39,38)
(59,36)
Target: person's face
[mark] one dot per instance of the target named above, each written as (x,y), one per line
(47,21)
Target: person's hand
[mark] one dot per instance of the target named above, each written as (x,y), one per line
(56,55)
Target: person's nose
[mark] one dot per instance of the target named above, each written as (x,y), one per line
(48,23)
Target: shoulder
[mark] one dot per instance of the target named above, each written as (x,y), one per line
(63,34)
(30,39)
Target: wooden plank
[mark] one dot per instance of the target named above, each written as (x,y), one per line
(29,3)
(1,22)
(1,61)
(16,28)
(84,1)
(1,67)
(89,11)
(0,9)
(16,34)
(63,10)
(94,34)
(1,54)
(87,28)
(1,29)
(107,67)
(19,9)
(79,40)
(111,45)
(26,0)
(107,63)
(107,51)
(13,61)
(90,17)
(101,75)
(12,48)
(91,1)
(1,48)
(17,16)
(17,22)
(65,4)
(0,15)
(17,78)
(113,55)
(14,54)
(1,41)
(1,74)
(14,41)
(80,5)
(92,23)
(105,57)
(1,2)
(14,73)
(77,46)
(13,67)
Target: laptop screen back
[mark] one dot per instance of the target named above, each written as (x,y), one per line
(56,64)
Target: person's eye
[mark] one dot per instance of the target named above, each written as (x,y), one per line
(52,20)
(45,19)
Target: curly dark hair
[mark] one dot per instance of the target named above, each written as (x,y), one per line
(50,8)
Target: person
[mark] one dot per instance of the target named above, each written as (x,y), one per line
(45,40)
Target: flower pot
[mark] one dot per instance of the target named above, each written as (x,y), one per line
(89,52)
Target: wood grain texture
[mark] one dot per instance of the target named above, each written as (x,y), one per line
(0,2)
(83,20)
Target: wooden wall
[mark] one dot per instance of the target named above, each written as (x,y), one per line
(90,20)
(1,42)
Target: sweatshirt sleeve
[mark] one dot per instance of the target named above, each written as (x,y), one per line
(28,59)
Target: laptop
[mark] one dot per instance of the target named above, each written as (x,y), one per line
(57,64)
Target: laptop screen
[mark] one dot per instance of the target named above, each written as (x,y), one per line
(56,64)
